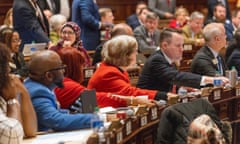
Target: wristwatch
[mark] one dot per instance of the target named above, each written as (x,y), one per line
(12,101)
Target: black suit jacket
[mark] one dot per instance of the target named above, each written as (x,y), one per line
(44,5)
(158,74)
(204,63)
(234,59)
(212,3)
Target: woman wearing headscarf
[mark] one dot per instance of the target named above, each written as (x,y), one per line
(70,37)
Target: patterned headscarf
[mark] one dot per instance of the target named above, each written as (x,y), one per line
(74,27)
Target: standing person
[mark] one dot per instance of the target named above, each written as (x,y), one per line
(70,37)
(207,60)
(106,15)
(159,72)
(46,73)
(212,3)
(133,20)
(30,22)
(17,116)
(12,39)
(164,8)
(85,14)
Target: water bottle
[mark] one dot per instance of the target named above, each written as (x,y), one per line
(33,49)
(182,92)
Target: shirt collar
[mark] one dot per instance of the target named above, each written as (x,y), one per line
(215,54)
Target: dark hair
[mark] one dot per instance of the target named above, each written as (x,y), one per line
(6,35)
(4,66)
(233,44)
(218,4)
(141,10)
(166,34)
(140,3)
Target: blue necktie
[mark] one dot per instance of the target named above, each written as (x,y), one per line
(220,65)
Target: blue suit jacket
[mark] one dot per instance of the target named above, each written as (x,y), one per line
(85,14)
(158,74)
(27,23)
(48,114)
(133,21)
(234,59)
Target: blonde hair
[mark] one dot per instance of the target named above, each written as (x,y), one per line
(117,50)
(8,15)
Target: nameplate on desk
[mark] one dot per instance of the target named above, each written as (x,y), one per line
(143,120)
(154,113)
(217,94)
(119,136)
(187,47)
(128,127)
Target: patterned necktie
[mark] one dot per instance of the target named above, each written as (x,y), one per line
(219,65)
(168,2)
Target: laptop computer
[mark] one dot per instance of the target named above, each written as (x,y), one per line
(89,101)
(29,49)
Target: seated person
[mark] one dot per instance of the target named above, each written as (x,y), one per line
(159,72)
(56,21)
(118,29)
(46,73)
(12,39)
(118,54)
(233,52)
(69,95)
(219,16)
(70,35)
(192,31)
(207,60)
(106,16)
(181,18)
(148,35)
(133,21)
(204,130)
(17,116)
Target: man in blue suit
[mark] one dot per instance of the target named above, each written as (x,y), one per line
(40,84)
(85,14)
(30,22)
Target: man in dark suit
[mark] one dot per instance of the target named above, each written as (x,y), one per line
(207,60)
(133,20)
(158,72)
(148,35)
(85,14)
(30,22)
(52,5)
(213,3)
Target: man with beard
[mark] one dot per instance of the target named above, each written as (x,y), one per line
(45,73)
(219,16)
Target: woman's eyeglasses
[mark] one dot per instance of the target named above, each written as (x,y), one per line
(16,41)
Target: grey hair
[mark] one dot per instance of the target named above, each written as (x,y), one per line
(196,15)
(56,21)
(211,30)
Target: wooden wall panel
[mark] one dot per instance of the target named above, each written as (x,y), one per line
(5,5)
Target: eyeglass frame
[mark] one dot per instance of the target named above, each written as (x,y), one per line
(16,41)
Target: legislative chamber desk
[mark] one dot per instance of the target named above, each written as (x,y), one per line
(142,127)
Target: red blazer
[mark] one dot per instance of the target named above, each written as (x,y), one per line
(71,91)
(108,78)
(174,24)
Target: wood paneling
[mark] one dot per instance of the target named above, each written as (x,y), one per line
(5,5)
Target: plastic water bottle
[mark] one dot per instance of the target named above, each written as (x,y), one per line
(33,49)
(182,92)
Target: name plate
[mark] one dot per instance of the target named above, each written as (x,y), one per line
(217,95)
(237,91)
(154,113)
(143,120)
(119,137)
(128,127)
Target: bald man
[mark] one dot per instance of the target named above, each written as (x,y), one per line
(118,29)
(45,73)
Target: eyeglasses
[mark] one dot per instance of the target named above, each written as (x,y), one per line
(16,41)
(62,67)
(67,33)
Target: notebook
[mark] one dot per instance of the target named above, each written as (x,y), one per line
(89,101)
(29,49)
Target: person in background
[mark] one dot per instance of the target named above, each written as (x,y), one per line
(8,20)
(164,8)
(46,73)
(212,3)
(85,14)
(17,63)
(119,53)
(148,35)
(56,22)
(219,16)
(133,20)
(235,19)
(70,37)
(159,72)
(233,52)
(69,96)
(106,16)
(208,61)
(181,18)
(30,22)
(118,29)
(192,31)
(17,115)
